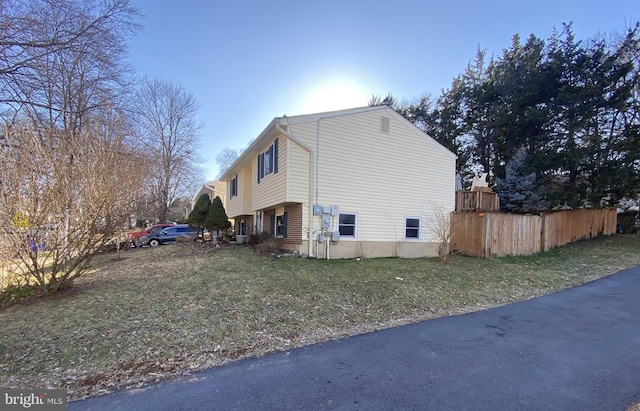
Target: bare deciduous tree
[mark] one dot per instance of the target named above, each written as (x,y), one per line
(65,178)
(62,199)
(226,158)
(166,116)
(60,59)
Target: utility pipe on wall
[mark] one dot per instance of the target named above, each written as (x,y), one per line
(313,185)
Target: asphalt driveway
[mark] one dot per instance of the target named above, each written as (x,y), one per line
(577,349)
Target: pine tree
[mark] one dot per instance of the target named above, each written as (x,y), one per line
(217,219)
(199,213)
(517,191)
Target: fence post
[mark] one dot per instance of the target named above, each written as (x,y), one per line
(543,232)
(484,234)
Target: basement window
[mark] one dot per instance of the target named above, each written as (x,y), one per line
(347,224)
(412,228)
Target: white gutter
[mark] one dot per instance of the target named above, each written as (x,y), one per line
(213,190)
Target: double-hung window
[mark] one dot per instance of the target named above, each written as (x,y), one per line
(412,228)
(268,161)
(234,186)
(347,224)
(281,225)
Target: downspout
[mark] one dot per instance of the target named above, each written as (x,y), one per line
(313,185)
(317,156)
(311,165)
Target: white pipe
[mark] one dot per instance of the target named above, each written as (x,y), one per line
(315,164)
(328,240)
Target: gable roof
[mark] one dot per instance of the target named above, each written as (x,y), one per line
(206,187)
(272,128)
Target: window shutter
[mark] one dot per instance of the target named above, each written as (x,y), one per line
(272,225)
(259,167)
(275,156)
(284,225)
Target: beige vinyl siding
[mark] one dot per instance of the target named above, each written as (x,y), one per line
(272,188)
(383,177)
(240,204)
(246,183)
(298,169)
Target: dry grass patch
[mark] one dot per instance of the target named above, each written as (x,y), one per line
(166,312)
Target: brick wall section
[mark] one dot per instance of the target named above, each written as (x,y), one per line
(294,224)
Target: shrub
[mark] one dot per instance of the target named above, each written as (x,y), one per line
(256,238)
(627,222)
(253,240)
(263,244)
(270,246)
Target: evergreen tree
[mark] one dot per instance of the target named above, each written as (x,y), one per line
(518,191)
(217,219)
(198,215)
(446,124)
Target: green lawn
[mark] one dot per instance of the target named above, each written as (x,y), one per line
(167,312)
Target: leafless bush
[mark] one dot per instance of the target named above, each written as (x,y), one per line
(440,228)
(67,170)
(269,246)
(62,198)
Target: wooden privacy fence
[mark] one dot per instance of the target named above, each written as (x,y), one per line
(498,234)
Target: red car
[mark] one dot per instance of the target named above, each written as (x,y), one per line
(134,236)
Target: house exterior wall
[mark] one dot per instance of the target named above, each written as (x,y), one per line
(298,168)
(272,188)
(299,172)
(294,224)
(369,162)
(376,249)
(240,204)
(246,185)
(382,177)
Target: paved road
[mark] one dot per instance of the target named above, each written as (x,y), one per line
(574,350)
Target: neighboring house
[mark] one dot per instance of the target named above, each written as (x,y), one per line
(212,188)
(362,182)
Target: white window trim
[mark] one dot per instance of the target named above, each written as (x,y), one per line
(231,191)
(419,228)
(355,226)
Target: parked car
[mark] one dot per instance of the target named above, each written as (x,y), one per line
(168,235)
(134,237)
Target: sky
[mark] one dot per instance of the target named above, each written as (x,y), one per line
(247,62)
